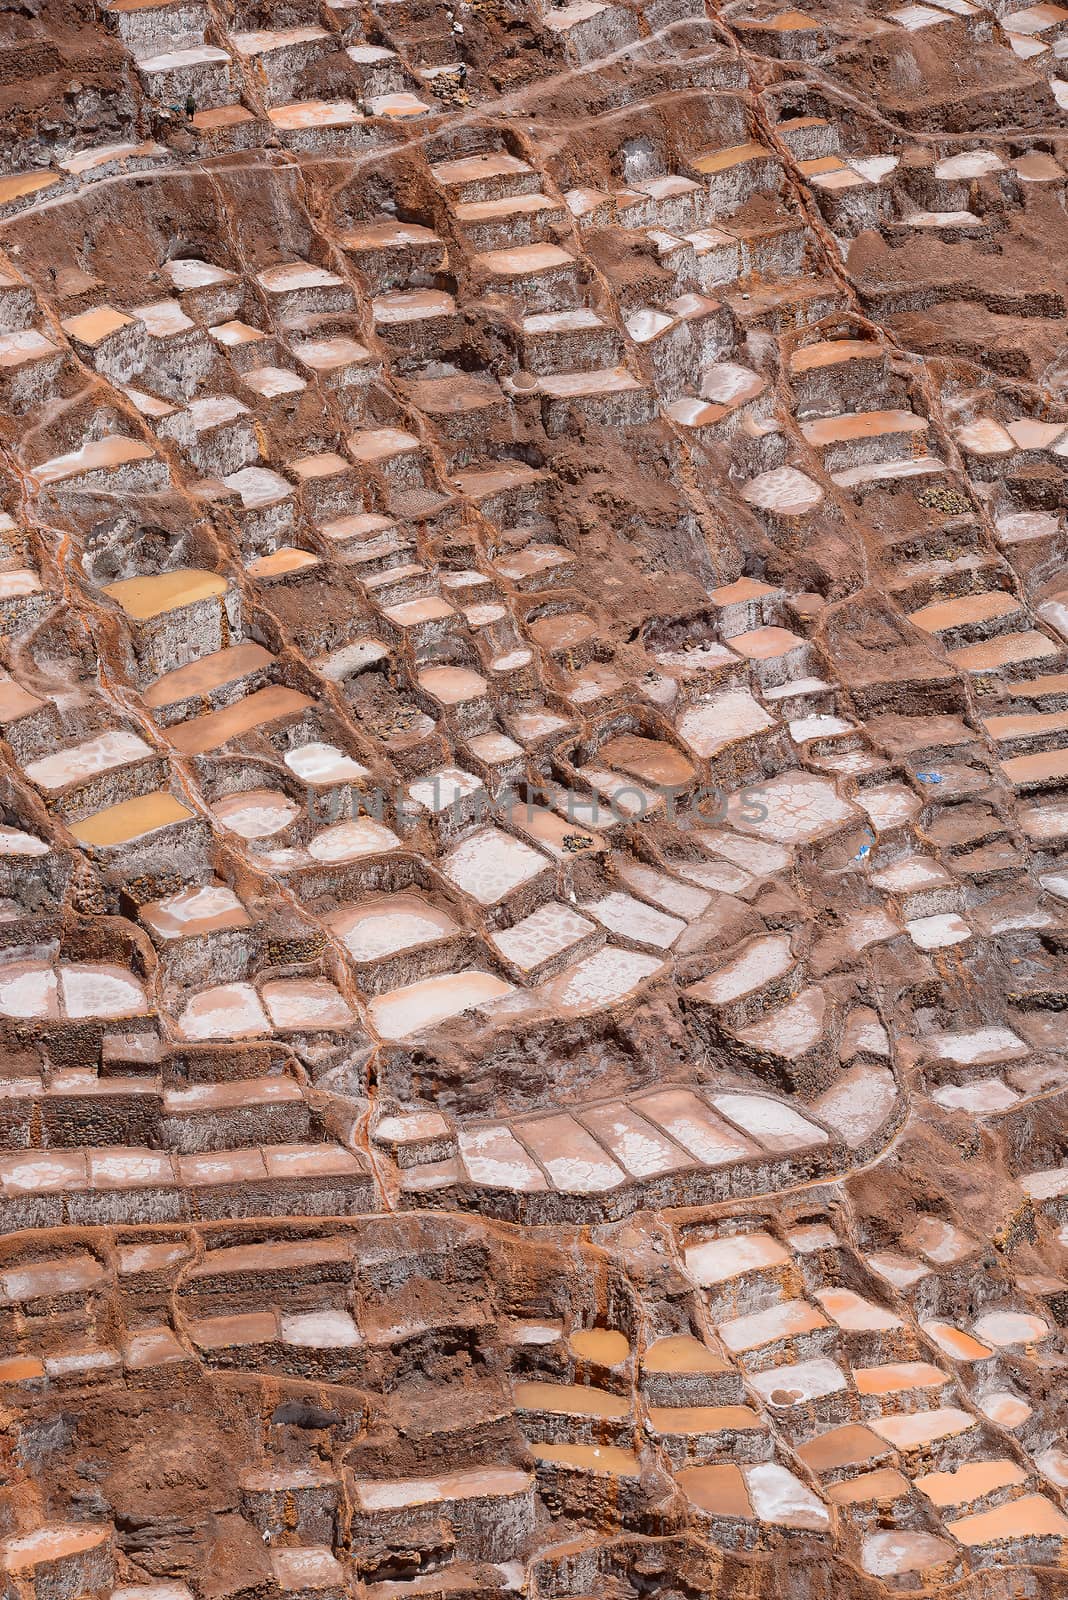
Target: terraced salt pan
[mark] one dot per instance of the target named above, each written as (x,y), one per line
(711,725)
(444,789)
(938,932)
(574,1160)
(156,594)
(431,1001)
(799,1382)
(207,908)
(1031,1516)
(972,1481)
(893,1554)
(1005,1328)
(388,924)
(981,1099)
(761,961)
(914,1430)
(980,1047)
(720,1260)
(130,819)
(13,842)
(495,1159)
(688,1121)
(602,979)
(791,1029)
(228,1011)
(855,1314)
(1004,1408)
(680,899)
(637,1146)
(779,1497)
(89,989)
(394,1494)
(102,753)
(626,917)
(306,1003)
(489,864)
(775,1126)
(256,813)
(323,764)
(351,839)
(895,1377)
(799,807)
(785,491)
(546,933)
(787,1320)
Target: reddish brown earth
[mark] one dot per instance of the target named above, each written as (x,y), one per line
(533,821)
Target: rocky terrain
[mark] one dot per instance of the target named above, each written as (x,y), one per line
(533,800)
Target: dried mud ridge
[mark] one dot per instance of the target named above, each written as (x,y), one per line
(439,449)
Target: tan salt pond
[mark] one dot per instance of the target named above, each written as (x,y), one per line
(686,1421)
(848,1446)
(720,1490)
(915,1430)
(885,1483)
(853,1313)
(648,760)
(896,1376)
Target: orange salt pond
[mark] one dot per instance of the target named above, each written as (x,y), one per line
(681,1352)
(719,1490)
(972,1481)
(130,819)
(570,1400)
(883,1484)
(1032,1516)
(847,1446)
(608,1459)
(604,1346)
(144,598)
(956,1344)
